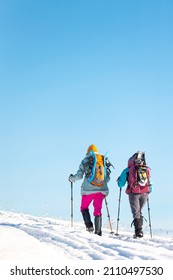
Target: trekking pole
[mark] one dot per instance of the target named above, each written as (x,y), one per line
(149,217)
(71,204)
(118,217)
(109,219)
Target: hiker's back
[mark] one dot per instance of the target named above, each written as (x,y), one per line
(98,170)
(139,174)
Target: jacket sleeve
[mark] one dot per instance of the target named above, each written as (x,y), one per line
(80,173)
(121,181)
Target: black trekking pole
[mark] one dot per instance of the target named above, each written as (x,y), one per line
(71,204)
(109,219)
(118,217)
(149,217)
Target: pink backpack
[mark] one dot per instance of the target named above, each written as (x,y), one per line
(139,174)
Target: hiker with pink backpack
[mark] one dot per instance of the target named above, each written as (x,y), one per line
(137,176)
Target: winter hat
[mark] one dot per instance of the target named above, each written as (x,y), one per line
(92,148)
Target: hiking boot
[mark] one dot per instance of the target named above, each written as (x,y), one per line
(138,222)
(89,229)
(98,225)
(138,234)
(87,219)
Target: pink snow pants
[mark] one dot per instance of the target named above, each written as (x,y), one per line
(97,199)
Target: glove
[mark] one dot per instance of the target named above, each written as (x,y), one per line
(151,186)
(71,178)
(120,184)
(122,179)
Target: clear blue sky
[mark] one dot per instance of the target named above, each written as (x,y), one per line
(79,72)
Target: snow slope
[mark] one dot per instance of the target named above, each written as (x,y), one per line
(26,237)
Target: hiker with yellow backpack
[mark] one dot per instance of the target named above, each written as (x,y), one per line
(95,169)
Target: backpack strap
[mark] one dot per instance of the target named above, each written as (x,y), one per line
(93,168)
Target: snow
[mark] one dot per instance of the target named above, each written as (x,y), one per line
(26,237)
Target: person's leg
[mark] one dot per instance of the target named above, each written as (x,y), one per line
(142,202)
(134,200)
(135,205)
(85,202)
(97,203)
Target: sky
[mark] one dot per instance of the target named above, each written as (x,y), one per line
(75,73)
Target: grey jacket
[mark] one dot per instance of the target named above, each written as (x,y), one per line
(86,187)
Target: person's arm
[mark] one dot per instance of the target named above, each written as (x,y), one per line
(121,181)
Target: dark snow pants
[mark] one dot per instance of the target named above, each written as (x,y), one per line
(137,202)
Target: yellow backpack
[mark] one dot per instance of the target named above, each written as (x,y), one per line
(99,172)
(98,169)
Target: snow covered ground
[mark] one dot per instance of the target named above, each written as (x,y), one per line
(26,237)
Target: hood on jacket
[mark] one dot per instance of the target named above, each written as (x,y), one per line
(93,148)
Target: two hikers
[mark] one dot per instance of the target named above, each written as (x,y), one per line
(95,169)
